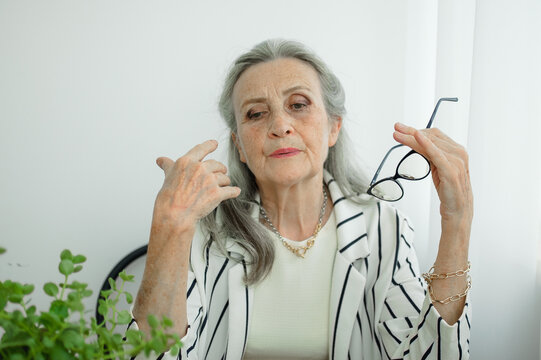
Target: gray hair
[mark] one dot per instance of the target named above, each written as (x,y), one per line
(235,215)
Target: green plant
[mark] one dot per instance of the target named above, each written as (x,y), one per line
(59,334)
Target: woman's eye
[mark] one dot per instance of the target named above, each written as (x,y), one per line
(255,115)
(298,106)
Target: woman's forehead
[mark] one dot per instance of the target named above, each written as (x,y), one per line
(277,75)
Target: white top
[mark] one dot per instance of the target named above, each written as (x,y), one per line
(290,318)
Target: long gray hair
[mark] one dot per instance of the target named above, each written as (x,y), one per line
(235,215)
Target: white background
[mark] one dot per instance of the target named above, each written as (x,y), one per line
(92,92)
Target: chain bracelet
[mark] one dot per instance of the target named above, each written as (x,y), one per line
(452,298)
(429,276)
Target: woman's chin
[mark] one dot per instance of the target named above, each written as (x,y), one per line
(291,177)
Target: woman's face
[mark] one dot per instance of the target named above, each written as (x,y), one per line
(283,131)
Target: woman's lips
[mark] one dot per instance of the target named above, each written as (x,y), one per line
(285,152)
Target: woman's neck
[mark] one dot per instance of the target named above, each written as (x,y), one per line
(295,209)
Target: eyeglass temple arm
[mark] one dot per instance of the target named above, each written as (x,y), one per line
(383,161)
(436,109)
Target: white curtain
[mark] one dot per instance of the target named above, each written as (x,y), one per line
(489,56)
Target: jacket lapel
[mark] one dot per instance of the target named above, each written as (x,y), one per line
(240,298)
(347,288)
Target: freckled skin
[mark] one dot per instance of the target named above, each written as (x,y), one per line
(282,119)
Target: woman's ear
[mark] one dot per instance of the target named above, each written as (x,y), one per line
(239,149)
(335,126)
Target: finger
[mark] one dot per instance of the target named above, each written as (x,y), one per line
(414,141)
(449,147)
(222,180)
(436,135)
(199,151)
(228,192)
(406,137)
(164,163)
(440,134)
(408,140)
(215,166)
(435,155)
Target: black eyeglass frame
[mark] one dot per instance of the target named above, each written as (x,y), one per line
(397,176)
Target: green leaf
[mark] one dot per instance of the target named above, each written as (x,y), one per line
(129,297)
(79,259)
(124,276)
(50,289)
(86,293)
(2,250)
(16,357)
(103,309)
(15,298)
(66,267)
(158,345)
(106,293)
(47,342)
(77,285)
(112,283)
(174,350)
(59,308)
(153,321)
(77,268)
(66,255)
(73,296)
(50,320)
(59,353)
(124,317)
(134,337)
(167,323)
(31,310)
(28,288)
(71,339)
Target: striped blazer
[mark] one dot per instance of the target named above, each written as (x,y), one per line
(379,307)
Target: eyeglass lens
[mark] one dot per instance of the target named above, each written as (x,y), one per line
(387,190)
(413,167)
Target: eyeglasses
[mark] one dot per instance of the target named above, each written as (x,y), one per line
(413,166)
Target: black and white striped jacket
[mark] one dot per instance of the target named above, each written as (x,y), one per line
(379,306)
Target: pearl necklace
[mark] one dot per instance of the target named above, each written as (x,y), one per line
(301,250)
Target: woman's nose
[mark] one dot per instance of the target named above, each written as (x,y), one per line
(280,125)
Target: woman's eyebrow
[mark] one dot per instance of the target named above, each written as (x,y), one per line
(295,88)
(254,100)
(285,92)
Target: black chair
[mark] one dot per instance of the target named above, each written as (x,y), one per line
(122,265)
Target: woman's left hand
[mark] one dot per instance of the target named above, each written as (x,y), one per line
(450,172)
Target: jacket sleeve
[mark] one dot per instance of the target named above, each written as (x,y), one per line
(195,316)
(410,327)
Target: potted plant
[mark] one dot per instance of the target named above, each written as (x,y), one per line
(62,332)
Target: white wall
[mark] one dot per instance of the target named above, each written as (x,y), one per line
(91,93)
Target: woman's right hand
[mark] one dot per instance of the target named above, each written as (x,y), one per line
(192,188)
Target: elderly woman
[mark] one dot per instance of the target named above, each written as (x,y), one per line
(287,257)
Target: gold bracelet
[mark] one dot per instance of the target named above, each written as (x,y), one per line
(429,276)
(450,298)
